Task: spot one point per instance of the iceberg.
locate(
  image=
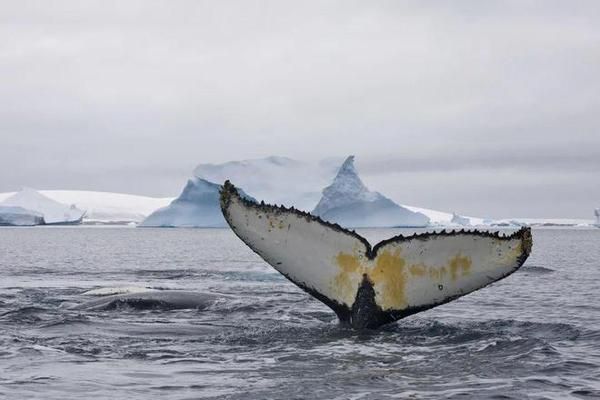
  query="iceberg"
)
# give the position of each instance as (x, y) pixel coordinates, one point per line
(53, 212)
(597, 214)
(19, 216)
(110, 208)
(348, 202)
(196, 207)
(106, 207)
(274, 179)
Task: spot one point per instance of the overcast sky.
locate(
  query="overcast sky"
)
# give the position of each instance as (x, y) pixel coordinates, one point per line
(485, 108)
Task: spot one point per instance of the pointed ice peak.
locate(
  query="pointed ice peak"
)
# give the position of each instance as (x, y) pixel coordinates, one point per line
(348, 182)
(348, 202)
(348, 166)
(346, 188)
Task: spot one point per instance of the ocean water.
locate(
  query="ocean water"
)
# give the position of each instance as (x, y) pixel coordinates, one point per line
(535, 334)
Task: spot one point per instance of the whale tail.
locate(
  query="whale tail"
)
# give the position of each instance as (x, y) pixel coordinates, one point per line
(371, 286)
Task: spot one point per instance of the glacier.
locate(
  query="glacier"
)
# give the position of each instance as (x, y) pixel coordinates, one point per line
(19, 216)
(52, 211)
(348, 202)
(196, 207)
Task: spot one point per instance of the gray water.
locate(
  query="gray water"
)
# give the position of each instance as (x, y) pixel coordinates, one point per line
(535, 334)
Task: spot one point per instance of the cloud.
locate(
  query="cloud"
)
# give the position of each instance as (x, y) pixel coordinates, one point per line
(113, 95)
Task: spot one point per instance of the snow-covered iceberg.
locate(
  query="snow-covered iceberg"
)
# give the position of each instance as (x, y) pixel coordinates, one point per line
(19, 216)
(196, 207)
(54, 213)
(348, 202)
(276, 180)
(106, 207)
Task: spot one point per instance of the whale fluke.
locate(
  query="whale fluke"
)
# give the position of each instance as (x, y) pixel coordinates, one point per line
(371, 286)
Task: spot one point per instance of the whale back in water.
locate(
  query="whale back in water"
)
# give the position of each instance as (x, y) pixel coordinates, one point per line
(151, 300)
(371, 286)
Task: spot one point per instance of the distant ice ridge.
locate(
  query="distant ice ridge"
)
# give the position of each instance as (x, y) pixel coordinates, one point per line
(19, 216)
(197, 206)
(52, 211)
(348, 202)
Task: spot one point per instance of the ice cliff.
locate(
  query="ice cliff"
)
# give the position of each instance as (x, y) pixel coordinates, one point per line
(196, 206)
(18, 216)
(52, 211)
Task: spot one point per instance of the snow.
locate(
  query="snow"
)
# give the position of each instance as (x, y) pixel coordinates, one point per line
(109, 207)
(460, 220)
(276, 180)
(106, 207)
(348, 202)
(19, 216)
(53, 211)
(197, 206)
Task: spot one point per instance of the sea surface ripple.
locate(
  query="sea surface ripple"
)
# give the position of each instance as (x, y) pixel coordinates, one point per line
(535, 334)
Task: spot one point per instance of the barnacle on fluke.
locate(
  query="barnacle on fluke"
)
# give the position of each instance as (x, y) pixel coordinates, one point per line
(369, 286)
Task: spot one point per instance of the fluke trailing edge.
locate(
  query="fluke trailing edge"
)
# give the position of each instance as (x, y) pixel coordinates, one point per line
(371, 286)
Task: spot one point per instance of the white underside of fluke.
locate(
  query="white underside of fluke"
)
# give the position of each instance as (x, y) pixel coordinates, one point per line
(405, 273)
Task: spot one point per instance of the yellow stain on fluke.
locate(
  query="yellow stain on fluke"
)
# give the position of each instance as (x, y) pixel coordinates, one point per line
(347, 280)
(390, 275)
(389, 280)
(460, 265)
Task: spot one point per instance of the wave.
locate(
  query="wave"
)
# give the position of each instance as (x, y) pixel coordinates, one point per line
(537, 269)
(26, 314)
